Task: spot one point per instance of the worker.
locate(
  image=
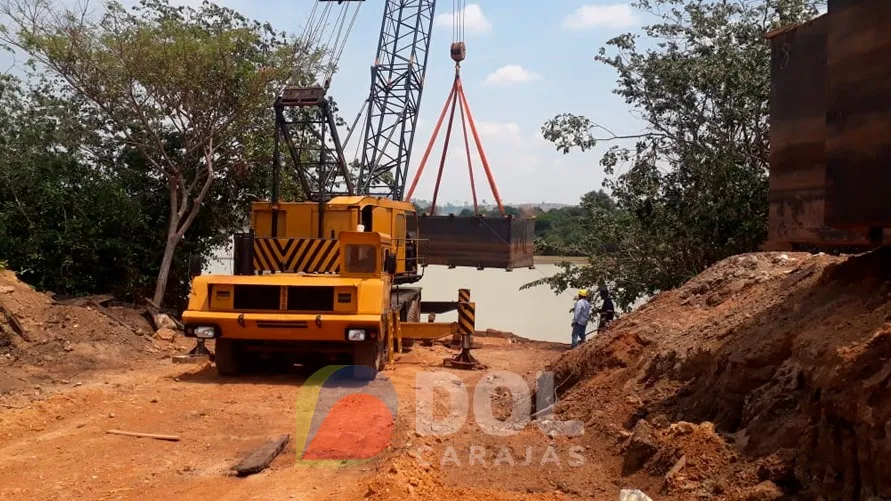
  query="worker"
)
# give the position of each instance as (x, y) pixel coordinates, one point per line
(607, 310)
(581, 312)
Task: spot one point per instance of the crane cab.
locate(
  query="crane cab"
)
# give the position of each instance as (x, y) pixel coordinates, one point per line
(300, 237)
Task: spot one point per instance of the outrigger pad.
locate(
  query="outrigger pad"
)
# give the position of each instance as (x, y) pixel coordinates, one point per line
(464, 360)
(477, 241)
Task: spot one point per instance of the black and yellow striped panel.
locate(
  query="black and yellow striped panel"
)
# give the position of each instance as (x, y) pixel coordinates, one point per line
(467, 319)
(463, 295)
(307, 255)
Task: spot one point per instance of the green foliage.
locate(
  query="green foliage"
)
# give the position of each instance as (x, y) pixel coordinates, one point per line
(63, 224)
(693, 189)
(560, 232)
(86, 194)
(178, 85)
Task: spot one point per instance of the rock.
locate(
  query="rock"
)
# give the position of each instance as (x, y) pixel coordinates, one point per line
(163, 321)
(6, 289)
(660, 422)
(682, 428)
(165, 334)
(765, 491)
(641, 447)
(633, 495)
(111, 414)
(714, 300)
(700, 288)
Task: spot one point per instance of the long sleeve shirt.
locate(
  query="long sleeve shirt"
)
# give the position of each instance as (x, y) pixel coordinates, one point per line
(582, 312)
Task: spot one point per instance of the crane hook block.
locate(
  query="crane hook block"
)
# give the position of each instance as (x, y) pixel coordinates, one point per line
(459, 51)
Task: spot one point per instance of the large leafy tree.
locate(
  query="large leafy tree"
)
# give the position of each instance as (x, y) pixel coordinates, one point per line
(175, 85)
(693, 188)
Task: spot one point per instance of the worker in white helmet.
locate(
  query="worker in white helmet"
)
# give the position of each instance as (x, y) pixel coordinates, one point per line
(581, 312)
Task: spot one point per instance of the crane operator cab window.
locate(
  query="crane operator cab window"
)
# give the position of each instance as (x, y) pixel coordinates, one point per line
(361, 258)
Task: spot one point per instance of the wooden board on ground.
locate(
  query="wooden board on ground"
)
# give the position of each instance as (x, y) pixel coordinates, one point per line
(14, 322)
(260, 457)
(169, 438)
(108, 313)
(85, 300)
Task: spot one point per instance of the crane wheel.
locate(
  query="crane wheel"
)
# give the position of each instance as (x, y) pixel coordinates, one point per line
(228, 357)
(368, 359)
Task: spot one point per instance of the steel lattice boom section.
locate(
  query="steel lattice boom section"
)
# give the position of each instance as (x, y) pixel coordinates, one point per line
(397, 81)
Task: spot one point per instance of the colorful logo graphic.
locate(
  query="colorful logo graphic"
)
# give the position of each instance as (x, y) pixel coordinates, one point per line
(345, 415)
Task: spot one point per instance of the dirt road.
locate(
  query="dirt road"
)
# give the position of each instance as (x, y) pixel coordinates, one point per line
(56, 447)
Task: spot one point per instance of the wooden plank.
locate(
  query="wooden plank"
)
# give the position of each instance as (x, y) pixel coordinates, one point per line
(14, 322)
(108, 313)
(260, 457)
(83, 301)
(169, 438)
(858, 145)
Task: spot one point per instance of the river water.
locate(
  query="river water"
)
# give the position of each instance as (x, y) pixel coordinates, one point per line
(535, 313)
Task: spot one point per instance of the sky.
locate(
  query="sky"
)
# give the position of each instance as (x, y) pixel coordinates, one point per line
(527, 61)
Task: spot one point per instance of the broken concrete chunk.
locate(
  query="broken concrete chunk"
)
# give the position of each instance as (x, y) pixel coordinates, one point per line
(641, 447)
(633, 495)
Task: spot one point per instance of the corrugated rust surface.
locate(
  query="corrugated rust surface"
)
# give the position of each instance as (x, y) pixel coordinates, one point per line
(799, 82)
(477, 241)
(859, 114)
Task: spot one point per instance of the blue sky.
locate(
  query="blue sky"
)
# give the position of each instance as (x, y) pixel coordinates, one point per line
(527, 61)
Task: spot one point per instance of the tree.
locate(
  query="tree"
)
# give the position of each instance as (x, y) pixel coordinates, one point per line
(63, 225)
(174, 84)
(694, 186)
(71, 224)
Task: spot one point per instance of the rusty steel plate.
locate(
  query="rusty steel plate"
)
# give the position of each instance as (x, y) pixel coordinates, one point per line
(476, 241)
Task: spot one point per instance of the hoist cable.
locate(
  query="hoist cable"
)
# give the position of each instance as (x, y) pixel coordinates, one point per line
(342, 38)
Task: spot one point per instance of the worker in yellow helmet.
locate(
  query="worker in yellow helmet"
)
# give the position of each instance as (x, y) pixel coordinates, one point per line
(581, 312)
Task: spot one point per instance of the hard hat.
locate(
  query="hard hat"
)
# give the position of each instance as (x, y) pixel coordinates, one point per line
(583, 292)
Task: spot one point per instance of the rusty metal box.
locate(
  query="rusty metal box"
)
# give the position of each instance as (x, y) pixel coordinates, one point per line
(477, 241)
(798, 135)
(858, 118)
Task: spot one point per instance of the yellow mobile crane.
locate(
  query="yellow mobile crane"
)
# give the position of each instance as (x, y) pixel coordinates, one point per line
(328, 276)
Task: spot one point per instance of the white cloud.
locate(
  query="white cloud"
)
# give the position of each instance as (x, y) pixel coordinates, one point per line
(510, 74)
(618, 15)
(500, 131)
(475, 21)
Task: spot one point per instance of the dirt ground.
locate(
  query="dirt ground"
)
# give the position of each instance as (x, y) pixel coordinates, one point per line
(764, 378)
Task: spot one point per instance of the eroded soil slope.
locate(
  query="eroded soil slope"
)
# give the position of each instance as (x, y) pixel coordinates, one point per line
(766, 375)
(46, 343)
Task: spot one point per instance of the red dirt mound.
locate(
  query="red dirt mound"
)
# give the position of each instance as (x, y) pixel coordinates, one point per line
(42, 342)
(786, 354)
